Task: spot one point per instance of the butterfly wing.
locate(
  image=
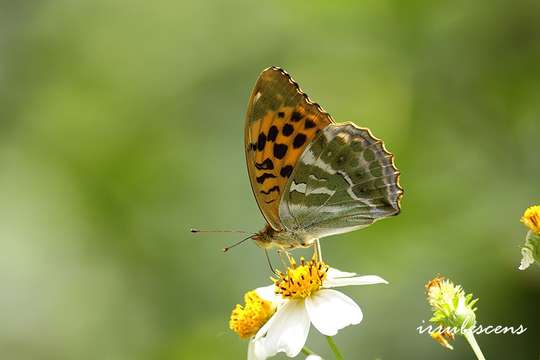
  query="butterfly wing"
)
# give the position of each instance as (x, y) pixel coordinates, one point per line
(344, 180)
(280, 122)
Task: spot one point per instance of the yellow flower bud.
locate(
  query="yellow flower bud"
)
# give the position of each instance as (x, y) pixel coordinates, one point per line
(531, 218)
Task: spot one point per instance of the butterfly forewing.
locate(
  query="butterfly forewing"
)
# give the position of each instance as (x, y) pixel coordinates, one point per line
(280, 122)
(344, 180)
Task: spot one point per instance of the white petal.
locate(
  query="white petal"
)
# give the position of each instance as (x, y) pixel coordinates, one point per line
(330, 311)
(268, 293)
(314, 357)
(256, 350)
(286, 331)
(336, 274)
(357, 280)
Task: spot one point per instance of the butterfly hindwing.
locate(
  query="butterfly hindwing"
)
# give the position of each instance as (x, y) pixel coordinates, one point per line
(344, 180)
(280, 122)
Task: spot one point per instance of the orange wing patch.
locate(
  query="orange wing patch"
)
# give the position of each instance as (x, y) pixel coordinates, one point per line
(281, 121)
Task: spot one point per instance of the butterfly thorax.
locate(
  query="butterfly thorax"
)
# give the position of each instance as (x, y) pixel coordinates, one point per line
(285, 239)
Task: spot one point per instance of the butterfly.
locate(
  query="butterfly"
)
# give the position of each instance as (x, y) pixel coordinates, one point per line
(311, 176)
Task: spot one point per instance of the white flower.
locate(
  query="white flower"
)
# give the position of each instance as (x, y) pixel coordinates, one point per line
(304, 296)
(256, 351)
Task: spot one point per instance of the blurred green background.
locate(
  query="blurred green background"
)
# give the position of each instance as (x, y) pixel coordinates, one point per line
(121, 126)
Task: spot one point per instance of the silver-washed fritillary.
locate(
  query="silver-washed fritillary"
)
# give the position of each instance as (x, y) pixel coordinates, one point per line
(312, 177)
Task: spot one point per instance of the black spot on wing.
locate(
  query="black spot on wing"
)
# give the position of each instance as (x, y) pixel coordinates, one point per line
(274, 188)
(272, 133)
(261, 142)
(267, 164)
(281, 114)
(280, 150)
(309, 124)
(260, 179)
(299, 140)
(287, 129)
(296, 116)
(286, 171)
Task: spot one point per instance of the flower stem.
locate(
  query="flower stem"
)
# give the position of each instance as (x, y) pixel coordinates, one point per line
(307, 351)
(334, 348)
(474, 345)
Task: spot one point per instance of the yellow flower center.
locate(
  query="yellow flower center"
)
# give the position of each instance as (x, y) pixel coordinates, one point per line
(531, 218)
(301, 281)
(248, 319)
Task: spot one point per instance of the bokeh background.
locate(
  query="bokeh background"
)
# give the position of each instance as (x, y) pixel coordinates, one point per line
(121, 127)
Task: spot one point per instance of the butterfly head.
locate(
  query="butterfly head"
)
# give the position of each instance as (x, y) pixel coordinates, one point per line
(265, 237)
(268, 237)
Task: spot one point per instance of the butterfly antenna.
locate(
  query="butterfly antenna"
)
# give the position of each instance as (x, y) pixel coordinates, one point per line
(196, 231)
(225, 249)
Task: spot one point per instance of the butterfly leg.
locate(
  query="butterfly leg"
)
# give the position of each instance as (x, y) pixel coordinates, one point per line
(269, 262)
(286, 259)
(317, 254)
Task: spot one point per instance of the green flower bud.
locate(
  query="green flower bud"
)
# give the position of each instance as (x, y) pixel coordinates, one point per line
(451, 306)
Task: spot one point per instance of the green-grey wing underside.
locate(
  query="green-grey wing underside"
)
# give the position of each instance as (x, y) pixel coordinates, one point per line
(344, 180)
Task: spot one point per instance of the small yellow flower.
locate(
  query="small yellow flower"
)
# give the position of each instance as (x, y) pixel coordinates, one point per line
(301, 281)
(248, 319)
(443, 338)
(531, 218)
